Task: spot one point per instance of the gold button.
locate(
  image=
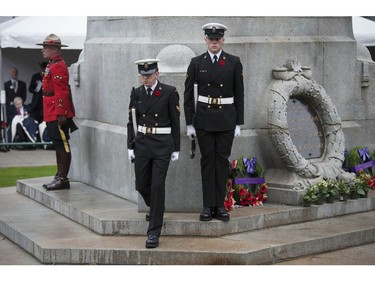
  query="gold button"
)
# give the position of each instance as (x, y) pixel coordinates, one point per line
(144, 115)
(220, 106)
(209, 106)
(156, 115)
(156, 124)
(221, 85)
(208, 85)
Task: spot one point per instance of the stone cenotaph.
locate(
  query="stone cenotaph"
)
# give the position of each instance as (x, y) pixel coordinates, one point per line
(309, 94)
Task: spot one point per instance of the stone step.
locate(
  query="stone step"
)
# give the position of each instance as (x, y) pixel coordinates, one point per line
(107, 214)
(55, 239)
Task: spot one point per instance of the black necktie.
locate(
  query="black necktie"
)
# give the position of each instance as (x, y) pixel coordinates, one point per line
(149, 90)
(215, 59)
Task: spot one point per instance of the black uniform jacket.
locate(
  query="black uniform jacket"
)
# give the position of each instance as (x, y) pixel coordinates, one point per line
(161, 110)
(11, 94)
(36, 106)
(223, 80)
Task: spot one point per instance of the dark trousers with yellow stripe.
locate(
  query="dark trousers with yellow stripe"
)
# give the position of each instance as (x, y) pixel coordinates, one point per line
(59, 136)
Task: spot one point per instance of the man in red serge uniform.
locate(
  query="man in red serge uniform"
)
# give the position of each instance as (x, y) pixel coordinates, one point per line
(58, 109)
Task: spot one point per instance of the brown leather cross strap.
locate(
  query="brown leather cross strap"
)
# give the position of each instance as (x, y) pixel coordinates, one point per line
(48, 94)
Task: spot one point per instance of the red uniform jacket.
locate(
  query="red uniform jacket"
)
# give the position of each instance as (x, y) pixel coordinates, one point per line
(55, 86)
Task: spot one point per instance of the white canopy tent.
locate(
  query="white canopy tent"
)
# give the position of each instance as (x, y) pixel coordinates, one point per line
(364, 31)
(19, 36)
(25, 32)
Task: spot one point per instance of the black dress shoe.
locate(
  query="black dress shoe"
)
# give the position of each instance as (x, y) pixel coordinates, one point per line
(152, 241)
(206, 214)
(221, 214)
(148, 217)
(60, 183)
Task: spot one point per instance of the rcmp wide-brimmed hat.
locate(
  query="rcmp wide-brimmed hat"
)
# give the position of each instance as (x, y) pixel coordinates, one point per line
(52, 40)
(147, 66)
(214, 30)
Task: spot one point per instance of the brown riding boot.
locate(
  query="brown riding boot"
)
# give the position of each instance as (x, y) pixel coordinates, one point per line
(57, 173)
(53, 181)
(62, 182)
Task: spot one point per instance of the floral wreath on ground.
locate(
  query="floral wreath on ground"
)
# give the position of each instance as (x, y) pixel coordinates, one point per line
(359, 160)
(241, 194)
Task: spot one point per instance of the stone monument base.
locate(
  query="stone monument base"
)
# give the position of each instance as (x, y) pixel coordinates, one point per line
(281, 187)
(284, 196)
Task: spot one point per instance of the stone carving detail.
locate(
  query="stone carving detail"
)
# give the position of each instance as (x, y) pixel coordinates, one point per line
(294, 81)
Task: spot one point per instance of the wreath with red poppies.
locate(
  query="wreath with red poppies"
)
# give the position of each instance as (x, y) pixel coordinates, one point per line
(240, 195)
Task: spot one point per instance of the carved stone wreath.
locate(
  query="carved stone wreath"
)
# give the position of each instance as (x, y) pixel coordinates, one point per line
(294, 81)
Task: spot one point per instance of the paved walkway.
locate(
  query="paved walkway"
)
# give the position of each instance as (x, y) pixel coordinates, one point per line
(21, 158)
(10, 253)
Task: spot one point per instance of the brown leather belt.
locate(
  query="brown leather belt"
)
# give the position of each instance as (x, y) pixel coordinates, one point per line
(48, 94)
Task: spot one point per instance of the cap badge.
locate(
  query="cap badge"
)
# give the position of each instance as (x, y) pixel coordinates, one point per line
(213, 29)
(146, 65)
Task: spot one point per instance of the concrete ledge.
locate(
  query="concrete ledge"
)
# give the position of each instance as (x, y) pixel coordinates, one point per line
(55, 239)
(107, 214)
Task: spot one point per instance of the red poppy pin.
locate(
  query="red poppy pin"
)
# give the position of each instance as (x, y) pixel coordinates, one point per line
(157, 93)
(222, 62)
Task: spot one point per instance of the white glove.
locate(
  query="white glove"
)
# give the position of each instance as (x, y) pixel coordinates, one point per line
(131, 155)
(237, 131)
(174, 155)
(190, 131)
(38, 86)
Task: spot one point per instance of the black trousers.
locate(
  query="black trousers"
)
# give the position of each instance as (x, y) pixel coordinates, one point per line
(150, 176)
(215, 148)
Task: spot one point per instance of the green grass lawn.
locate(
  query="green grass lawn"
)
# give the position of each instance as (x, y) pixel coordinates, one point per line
(9, 175)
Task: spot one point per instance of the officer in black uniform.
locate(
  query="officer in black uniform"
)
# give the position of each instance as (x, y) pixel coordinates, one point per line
(154, 141)
(218, 114)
